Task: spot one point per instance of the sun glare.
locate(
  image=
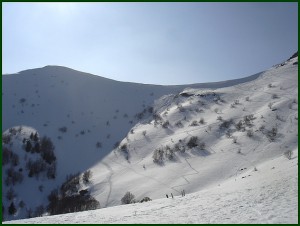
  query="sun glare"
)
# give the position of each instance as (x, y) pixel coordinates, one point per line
(61, 7)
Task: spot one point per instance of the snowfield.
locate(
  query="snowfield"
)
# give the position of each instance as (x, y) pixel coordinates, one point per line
(268, 195)
(231, 146)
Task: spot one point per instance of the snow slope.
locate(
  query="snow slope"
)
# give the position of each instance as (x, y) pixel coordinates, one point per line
(98, 110)
(268, 195)
(220, 160)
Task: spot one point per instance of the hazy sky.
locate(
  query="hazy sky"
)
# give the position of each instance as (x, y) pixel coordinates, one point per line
(157, 43)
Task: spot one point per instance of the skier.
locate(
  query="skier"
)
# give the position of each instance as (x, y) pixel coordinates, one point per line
(172, 195)
(182, 193)
(167, 195)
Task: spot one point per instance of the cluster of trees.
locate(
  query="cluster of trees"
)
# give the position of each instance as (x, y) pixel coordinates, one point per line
(143, 113)
(12, 208)
(179, 124)
(86, 177)
(8, 156)
(39, 166)
(271, 134)
(47, 150)
(241, 125)
(247, 121)
(195, 122)
(158, 156)
(69, 198)
(13, 177)
(245, 125)
(63, 129)
(129, 198)
(157, 118)
(195, 142)
(225, 124)
(165, 124)
(32, 144)
(145, 199)
(47, 160)
(71, 185)
(166, 152)
(6, 138)
(74, 203)
(44, 162)
(124, 150)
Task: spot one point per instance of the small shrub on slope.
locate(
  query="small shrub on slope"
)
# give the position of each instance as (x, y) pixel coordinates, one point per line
(87, 176)
(128, 198)
(193, 142)
(288, 154)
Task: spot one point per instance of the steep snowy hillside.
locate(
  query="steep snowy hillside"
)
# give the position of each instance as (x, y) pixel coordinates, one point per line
(268, 195)
(200, 138)
(147, 139)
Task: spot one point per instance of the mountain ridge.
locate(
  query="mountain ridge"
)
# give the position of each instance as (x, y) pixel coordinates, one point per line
(64, 69)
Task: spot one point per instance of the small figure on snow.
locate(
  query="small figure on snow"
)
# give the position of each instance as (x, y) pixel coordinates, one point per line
(183, 193)
(172, 195)
(167, 195)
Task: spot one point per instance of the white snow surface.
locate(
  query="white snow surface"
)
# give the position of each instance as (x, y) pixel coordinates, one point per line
(216, 179)
(268, 195)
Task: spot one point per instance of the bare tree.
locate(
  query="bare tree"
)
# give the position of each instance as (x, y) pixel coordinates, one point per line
(128, 198)
(201, 121)
(194, 123)
(250, 133)
(166, 124)
(193, 142)
(87, 176)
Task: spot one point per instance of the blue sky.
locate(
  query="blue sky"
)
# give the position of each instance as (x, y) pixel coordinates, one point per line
(156, 43)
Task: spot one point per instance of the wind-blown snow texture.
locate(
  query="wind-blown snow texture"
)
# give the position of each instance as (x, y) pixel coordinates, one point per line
(215, 177)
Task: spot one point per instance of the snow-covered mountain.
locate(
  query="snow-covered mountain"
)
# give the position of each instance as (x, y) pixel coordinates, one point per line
(152, 140)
